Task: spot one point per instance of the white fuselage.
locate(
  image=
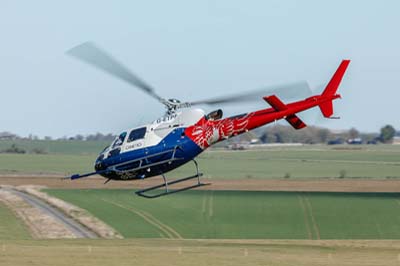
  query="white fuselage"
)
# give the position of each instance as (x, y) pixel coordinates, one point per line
(152, 134)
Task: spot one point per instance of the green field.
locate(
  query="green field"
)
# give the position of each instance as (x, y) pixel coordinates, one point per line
(10, 226)
(45, 163)
(233, 225)
(332, 215)
(244, 214)
(129, 252)
(313, 161)
(57, 146)
(303, 162)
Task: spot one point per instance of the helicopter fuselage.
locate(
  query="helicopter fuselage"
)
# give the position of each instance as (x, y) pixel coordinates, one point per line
(150, 145)
(172, 141)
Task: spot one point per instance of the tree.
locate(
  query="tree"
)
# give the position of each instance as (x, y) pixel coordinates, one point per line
(14, 149)
(387, 133)
(79, 137)
(353, 133)
(323, 135)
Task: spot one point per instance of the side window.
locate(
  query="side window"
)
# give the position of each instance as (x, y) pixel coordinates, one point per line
(114, 152)
(119, 140)
(215, 115)
(137, 134)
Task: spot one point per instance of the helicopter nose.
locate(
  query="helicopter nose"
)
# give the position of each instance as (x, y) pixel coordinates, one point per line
(98, 166)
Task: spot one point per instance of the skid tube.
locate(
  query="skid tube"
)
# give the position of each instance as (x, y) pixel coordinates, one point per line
(166, 184)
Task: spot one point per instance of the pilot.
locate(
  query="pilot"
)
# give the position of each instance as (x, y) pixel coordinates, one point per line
(120, 139)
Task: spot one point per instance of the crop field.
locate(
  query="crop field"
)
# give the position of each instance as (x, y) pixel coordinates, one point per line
(58, 164)
(141, 218)
(56, 146)
(220, 227)
(314, 161)
(302, 162)
(199, 252)
(244, 214)
(10, 226)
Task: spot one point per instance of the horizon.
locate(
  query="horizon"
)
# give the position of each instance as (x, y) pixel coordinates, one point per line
(67, 137)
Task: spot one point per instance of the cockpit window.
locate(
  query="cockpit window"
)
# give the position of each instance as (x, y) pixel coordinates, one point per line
(137, 134)
(119, 140)
(215, 115)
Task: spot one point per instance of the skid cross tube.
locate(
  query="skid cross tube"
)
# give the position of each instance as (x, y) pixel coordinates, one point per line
(167, 184)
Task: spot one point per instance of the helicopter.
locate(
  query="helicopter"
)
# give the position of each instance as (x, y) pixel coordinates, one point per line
(184, 132)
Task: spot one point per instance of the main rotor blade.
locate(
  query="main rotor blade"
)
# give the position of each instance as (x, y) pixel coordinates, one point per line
(91, 54)
(285, 92)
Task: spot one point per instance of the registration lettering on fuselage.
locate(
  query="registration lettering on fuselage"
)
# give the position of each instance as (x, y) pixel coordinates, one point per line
(165, 119)
(134, 146)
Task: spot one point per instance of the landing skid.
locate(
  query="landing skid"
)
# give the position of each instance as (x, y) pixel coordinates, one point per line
(166, 185)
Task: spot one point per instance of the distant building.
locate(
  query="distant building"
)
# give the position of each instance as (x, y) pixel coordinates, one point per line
(396, 140)
(7, 136)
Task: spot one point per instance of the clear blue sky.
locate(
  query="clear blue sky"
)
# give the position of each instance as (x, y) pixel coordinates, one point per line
(191, 50)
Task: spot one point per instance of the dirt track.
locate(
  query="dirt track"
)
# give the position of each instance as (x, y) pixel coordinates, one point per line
(71, 225)
(333, 185)
(40, 220)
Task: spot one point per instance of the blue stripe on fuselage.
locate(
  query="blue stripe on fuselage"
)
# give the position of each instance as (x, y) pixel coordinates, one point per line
(188, 150)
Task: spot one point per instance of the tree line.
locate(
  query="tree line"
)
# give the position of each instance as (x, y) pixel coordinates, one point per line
(268, 134)
(313, 134)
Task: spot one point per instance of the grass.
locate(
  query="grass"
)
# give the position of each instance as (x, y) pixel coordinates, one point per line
(315, 161)
(244, 211)
(57, 146)
(10, 226)
(193, 252)
(221, 214)
(244, 214)
(45, 163)
(303, 162)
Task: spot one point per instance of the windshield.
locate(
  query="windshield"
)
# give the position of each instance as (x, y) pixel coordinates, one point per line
(119, 140)
(104, 149)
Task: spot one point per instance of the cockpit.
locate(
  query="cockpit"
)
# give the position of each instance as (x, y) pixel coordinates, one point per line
(134, 135)
(119, 140)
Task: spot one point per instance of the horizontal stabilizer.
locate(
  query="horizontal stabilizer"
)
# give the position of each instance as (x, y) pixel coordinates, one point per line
(295, 121)
(278, 105)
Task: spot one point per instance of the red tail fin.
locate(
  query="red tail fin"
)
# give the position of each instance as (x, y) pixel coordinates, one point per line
(333, 84)
(331, 88)
(326, 109)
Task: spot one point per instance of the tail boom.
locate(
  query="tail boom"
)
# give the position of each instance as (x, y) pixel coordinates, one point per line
(207, 132)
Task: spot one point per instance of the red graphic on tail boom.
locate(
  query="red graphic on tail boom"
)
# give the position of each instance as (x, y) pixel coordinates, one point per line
(207, 131)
